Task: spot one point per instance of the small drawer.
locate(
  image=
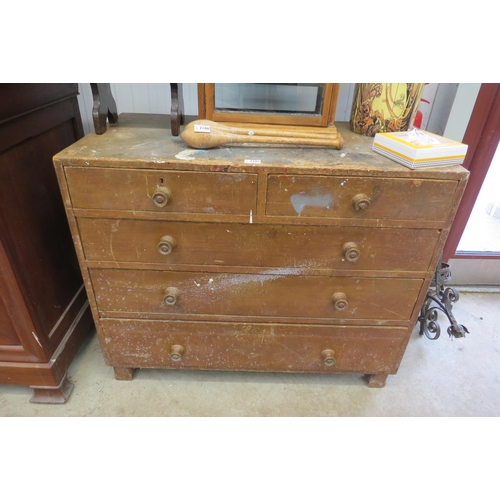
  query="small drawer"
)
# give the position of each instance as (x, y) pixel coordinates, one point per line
(252, 347)
(162, 191)
(255, 245)
(172, 293)
(359, 197)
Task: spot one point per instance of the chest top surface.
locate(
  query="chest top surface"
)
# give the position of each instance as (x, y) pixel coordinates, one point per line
(145, 141)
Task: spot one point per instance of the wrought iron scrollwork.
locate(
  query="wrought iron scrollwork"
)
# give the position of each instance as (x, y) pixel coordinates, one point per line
(440, 299)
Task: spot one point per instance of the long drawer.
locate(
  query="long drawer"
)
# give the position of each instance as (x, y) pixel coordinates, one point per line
(265, 294)
(252, 347)
(162, 191)
(359, 197)
(257, 245)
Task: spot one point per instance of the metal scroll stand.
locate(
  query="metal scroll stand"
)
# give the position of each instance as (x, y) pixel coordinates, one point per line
(441, 299)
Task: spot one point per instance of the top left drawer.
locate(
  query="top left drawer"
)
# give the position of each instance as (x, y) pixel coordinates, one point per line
(162, 191)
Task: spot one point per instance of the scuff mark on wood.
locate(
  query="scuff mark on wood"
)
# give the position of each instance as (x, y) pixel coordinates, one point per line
(300, 201)
(36, 338)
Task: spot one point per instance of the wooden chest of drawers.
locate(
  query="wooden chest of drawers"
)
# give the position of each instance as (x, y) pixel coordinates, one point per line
(256, 259)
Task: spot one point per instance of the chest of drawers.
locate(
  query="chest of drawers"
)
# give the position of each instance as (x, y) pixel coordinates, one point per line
(252, 259)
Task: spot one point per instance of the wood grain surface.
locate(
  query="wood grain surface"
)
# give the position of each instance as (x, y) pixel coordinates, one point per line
(261, 258)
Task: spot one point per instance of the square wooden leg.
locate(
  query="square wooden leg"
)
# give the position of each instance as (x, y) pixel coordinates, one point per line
(376, 380)
(124, 373)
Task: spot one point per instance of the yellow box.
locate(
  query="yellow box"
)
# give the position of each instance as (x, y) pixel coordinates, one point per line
(419, 149)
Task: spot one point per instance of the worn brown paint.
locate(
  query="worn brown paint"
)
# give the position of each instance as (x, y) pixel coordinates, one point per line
(299, 260)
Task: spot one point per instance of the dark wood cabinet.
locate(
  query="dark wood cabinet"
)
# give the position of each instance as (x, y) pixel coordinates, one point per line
(44, 313)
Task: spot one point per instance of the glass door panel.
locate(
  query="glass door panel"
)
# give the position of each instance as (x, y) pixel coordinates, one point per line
(482, 232)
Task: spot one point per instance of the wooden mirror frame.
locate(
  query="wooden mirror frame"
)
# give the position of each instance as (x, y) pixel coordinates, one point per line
(206, 93)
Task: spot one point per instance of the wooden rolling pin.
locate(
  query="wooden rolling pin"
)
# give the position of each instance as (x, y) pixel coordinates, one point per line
(206, 134)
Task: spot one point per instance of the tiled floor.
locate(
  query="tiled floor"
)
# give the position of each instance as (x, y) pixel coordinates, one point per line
(436, 378)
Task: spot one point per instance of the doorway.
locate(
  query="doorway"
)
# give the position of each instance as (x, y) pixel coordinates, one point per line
(473, 246)
(482, 233)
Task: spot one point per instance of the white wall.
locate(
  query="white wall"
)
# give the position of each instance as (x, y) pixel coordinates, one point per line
(155, 98)
(461, 110)
(138, 98)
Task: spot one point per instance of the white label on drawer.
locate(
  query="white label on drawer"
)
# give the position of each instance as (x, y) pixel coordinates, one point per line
(202, 128)
(253, 162)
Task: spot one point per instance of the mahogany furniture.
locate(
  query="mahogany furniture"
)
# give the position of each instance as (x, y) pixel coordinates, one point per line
(252, 258)
(44, 313)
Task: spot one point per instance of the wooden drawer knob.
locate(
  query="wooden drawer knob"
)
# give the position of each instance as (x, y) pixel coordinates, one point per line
(340, 301)
(171, 295)
(361, 202)
(166, 245)
(161, 196)
(176, 352)
(350, 251)
(328, 358)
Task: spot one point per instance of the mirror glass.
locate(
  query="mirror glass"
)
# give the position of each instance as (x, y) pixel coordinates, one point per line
(283, 98)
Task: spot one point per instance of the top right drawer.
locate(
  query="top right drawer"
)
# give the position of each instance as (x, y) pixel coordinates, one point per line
(359, 197)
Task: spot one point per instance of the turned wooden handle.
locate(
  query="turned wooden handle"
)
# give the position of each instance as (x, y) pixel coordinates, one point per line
(176, 352)
(216, 135)
(166, 245)
(350, 251)
(171, 296)
(361, 202)
(340, 301)
(161, 196)
(328, 357)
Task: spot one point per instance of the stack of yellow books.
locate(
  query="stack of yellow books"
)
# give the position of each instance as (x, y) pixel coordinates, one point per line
(419, 149)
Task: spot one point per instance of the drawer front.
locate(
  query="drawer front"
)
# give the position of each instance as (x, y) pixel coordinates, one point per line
(268, 295)
(252, 347)
(359, 197)
(256, 245)
(145, 190)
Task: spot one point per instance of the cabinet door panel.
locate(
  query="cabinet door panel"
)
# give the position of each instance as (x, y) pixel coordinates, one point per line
(7, 330)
